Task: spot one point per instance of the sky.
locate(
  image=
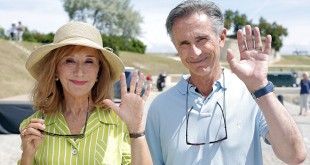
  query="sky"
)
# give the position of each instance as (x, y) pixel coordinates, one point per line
(48, 15)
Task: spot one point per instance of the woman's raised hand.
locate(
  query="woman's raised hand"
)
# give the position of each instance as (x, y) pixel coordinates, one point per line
(131, 108)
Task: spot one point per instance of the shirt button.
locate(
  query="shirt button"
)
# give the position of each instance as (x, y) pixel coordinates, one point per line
(74, 151)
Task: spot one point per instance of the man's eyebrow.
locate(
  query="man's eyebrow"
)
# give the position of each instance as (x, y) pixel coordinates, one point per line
(196, 38)
(183, 42)
(202, 37)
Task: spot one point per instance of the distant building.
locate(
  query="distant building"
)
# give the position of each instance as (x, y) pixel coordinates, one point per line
(300, 52)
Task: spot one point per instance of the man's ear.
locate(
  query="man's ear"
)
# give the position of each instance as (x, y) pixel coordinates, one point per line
(223, 37)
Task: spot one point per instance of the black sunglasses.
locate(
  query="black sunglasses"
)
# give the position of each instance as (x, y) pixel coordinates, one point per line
(223, 116)
(74, 136)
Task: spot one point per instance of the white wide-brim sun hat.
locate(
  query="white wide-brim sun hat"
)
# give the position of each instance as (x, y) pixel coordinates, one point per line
(75, 33)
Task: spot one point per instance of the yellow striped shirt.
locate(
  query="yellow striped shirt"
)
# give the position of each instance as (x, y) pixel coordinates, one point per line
(106, 141)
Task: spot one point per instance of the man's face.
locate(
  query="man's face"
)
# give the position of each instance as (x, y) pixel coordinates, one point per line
(197, 44)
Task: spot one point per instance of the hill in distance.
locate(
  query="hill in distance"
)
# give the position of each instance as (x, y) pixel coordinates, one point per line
(15, 80)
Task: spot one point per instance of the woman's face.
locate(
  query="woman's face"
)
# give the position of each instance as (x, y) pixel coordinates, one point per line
(78, 71)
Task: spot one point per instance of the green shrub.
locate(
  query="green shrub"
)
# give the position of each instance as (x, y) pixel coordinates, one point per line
(2, 34)
(117, 43)
(34, 36)
(121, 43)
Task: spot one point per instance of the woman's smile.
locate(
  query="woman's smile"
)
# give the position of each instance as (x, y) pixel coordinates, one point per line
(78, 82)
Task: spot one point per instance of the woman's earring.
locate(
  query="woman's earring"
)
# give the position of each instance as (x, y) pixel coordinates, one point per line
(57, 79)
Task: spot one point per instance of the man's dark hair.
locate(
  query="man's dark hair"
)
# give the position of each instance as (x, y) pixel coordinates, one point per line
(190, 7)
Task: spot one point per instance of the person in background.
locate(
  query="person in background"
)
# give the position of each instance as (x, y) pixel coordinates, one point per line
(304, 93)
(77, 122)
(12, 32)
(214, 115)
(20, 31)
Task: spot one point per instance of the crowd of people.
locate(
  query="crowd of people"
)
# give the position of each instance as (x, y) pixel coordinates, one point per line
(16, 31)
(211, 116)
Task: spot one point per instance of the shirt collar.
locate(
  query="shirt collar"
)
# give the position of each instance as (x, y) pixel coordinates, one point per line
(182, 84)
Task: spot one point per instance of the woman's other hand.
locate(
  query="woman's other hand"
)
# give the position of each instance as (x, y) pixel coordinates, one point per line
(31, 137)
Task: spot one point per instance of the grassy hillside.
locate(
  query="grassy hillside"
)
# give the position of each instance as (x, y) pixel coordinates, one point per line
(15, 80)
(152, 64)
(292, 62)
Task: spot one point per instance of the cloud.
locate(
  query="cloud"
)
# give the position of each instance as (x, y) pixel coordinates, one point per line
(283, 12)
(43, 16)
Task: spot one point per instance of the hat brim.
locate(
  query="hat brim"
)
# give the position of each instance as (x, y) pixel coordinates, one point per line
(115, 64)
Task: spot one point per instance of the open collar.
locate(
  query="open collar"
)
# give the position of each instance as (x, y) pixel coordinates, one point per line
(98, 117)
(182, 84)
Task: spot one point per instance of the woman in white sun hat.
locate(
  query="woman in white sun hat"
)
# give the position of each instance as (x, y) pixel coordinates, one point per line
(77, 122)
